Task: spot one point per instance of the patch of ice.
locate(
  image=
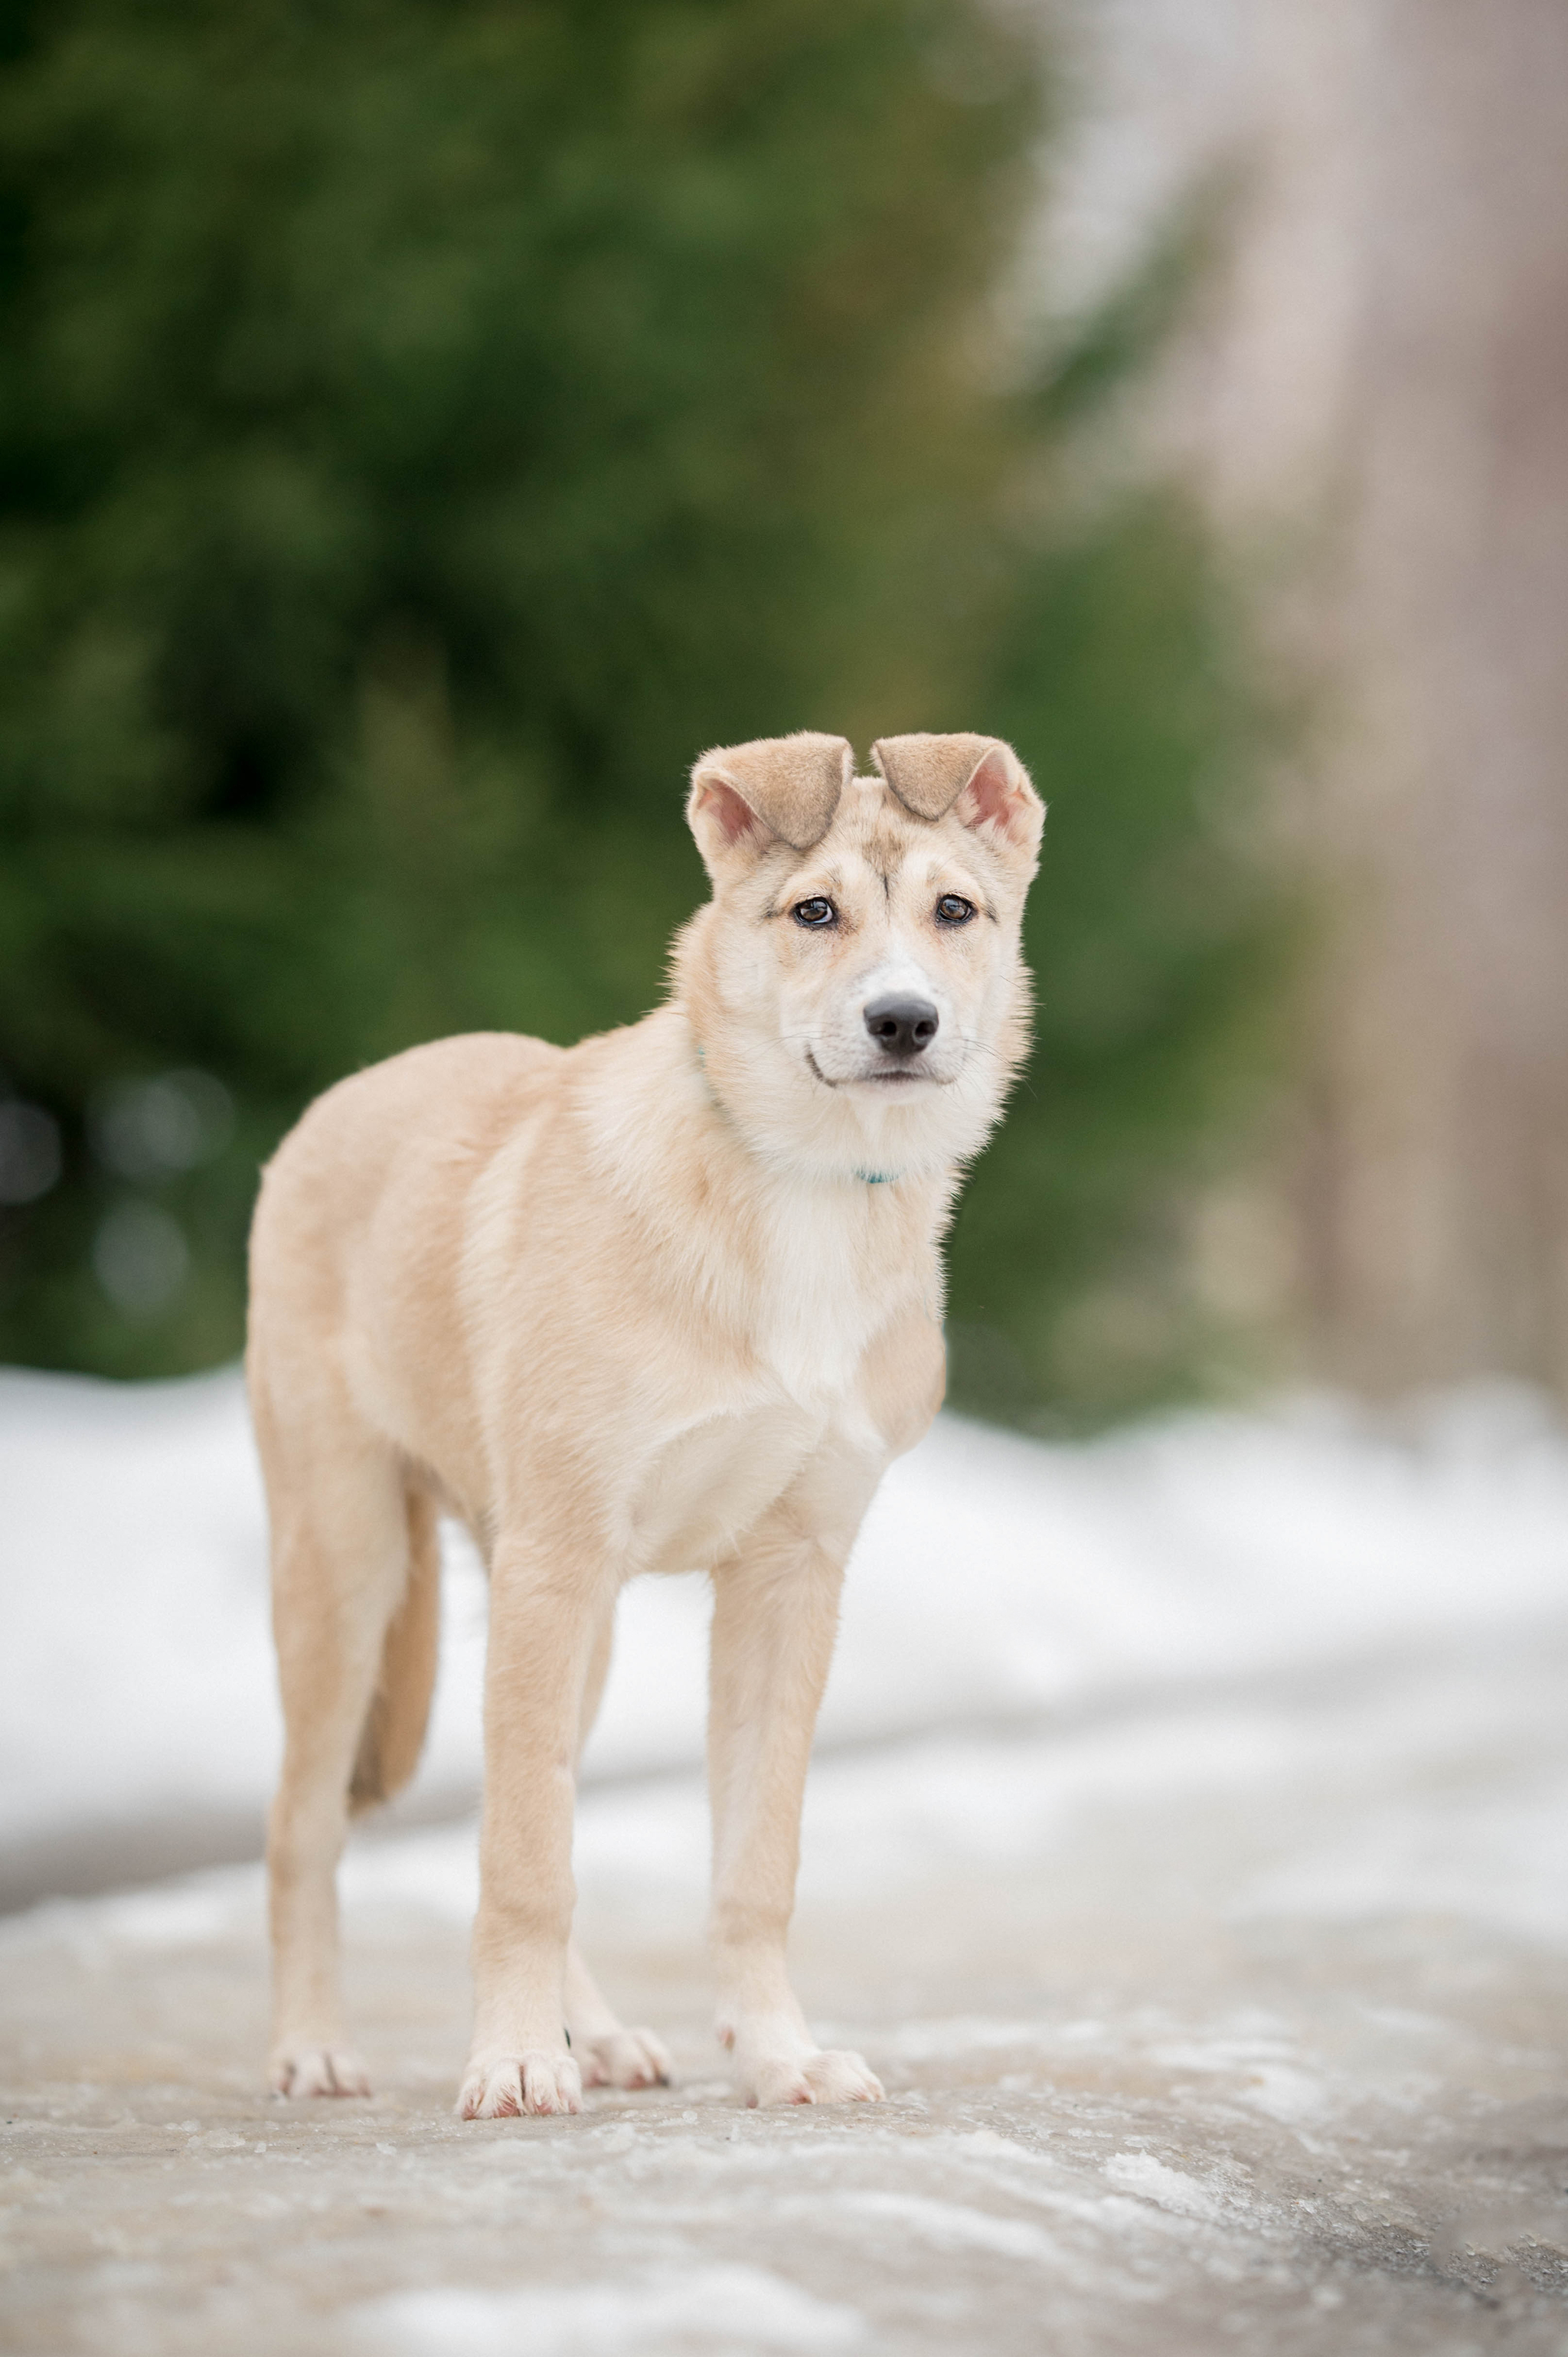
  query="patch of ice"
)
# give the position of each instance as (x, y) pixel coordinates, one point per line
(991, 2146)
(1270, 2076)
(953, 2227)
(1287, 2094)
(736, 2308)
(1169, 2189)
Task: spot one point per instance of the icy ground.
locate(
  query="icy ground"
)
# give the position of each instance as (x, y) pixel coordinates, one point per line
(1187, 1850)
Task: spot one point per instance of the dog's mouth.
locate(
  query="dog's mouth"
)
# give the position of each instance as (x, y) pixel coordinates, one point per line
(900, 1076)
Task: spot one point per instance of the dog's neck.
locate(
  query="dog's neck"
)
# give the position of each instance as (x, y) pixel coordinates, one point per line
(799, 1258)
(668, 1120)
(863, 1177)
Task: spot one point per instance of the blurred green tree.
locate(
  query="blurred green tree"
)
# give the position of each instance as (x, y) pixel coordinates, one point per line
(424, 425)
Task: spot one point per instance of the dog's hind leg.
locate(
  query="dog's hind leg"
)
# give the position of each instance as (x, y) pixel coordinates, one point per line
(341, 1564)
(608, 2053)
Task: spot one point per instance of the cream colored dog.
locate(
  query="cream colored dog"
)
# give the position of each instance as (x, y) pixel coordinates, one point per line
(670, 1299)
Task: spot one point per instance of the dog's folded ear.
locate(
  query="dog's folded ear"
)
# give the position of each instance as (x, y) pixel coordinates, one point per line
(744, 797)
(979, 779)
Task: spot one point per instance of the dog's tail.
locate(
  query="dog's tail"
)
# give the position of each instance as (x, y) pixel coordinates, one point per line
(399, 1707)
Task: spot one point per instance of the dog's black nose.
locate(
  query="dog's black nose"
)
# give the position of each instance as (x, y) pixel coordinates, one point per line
(902, 1026)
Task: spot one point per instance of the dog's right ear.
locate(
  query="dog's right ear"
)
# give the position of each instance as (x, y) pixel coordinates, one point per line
(744, 797)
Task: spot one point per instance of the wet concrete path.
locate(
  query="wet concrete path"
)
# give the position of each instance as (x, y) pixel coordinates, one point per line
(1236, 2024)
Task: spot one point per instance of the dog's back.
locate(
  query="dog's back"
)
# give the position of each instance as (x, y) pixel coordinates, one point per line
(423, 1113)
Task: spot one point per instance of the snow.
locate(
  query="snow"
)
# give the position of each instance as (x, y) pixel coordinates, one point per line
(1186, 1851)
(996, 1578)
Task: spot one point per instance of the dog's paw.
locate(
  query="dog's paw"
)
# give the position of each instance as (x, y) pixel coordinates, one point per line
(624, 2058)
(306, 2069)
(512, 2086)
(819, 2077)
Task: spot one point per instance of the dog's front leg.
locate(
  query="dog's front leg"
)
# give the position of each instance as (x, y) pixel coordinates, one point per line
(775, 1618)
(543, 1618)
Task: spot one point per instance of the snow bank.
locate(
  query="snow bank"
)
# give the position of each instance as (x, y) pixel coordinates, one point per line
(995, 1576)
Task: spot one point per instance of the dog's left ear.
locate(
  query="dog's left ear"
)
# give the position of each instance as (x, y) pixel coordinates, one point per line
(979, 779)
(745, 797)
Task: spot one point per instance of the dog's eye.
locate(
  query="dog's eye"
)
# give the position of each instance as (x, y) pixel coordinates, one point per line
(814, 914)
(952, 909)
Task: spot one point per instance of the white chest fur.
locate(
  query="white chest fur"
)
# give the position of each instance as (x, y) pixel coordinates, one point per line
(775, 1285)
(814, 1304)
(824, 1293)
(702, 1489)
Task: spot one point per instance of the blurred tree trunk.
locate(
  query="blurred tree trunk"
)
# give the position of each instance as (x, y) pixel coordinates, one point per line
(1389, 356)
(1434, 1184)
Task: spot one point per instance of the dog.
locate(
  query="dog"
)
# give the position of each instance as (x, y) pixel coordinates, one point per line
(670, 1299)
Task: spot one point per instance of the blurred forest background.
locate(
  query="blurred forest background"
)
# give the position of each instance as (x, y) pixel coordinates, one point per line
(424, 427)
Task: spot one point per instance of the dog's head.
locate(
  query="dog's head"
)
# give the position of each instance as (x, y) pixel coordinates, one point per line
(855, 983)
